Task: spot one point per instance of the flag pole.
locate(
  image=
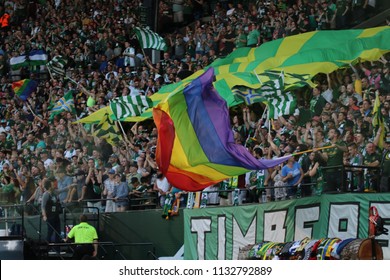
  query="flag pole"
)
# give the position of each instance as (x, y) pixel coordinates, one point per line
(70, 79)
(257, 76)
(269, 122)
(51, 75)
(312, 150)
(28, 106)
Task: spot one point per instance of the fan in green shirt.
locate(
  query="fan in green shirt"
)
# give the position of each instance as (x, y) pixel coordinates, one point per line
(334, 157)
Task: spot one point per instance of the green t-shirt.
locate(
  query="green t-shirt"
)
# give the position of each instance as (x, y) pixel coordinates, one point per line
(241, 41)
(335, 155)
(83, 233)
(386, 163)
(253, 37)
(370, 158)
(91, 102)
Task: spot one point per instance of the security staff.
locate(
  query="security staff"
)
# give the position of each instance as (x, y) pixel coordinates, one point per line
(86, 236)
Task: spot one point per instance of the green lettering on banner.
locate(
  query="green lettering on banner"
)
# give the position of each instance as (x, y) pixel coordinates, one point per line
(219, 232)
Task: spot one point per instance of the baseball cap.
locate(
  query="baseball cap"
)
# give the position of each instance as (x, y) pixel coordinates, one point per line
(112, 171)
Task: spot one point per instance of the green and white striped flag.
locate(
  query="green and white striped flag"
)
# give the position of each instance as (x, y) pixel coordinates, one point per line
(280, 105)
(130, 106)
(57, 65)
(270, 93)
(150, 40)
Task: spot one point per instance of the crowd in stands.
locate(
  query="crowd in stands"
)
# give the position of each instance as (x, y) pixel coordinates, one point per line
(105, 61)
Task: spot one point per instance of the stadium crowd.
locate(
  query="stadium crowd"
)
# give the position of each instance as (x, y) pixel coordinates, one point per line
(105, 61)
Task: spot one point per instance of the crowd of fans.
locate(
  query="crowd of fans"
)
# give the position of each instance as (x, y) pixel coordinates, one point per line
(105, 61)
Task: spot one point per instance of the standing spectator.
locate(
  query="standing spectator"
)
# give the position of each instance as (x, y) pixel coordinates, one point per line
(334, 157)
(51, 209)
(129, 54)
(241, 39)
(91, 191)
(342, 9)
(228, 40)
(121, 193)
(292, 174)
(161, 186)
(354, 177)
(36, 197)
(371, 176)
(315, 174)
(109, 191)
(253, 37)
(317, 103)
(64, 182)
(385, 167)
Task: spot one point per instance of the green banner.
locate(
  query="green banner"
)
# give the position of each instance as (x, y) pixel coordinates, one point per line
(219, 232)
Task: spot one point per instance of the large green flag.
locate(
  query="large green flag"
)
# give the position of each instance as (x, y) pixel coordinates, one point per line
(304, 54)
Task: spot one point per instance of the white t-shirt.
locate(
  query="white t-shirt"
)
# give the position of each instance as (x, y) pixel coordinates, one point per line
(47, 163)
(163, 184)
(129, 61)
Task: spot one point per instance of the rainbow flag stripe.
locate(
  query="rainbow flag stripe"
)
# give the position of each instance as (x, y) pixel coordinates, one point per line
(24, 88)
(196, 146)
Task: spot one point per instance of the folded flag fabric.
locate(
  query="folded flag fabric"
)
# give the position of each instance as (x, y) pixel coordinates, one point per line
(150, 40)
(107, 129)
(24, 88)
(37, 58)
(18, 62)
(270, 93)
(57, 65)
(34, 58)
(196, 146)
(66, 103)
(280, 105)
(129, 106)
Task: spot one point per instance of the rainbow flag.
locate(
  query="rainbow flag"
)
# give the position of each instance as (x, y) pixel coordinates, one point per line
(24, 88)
(196, 146)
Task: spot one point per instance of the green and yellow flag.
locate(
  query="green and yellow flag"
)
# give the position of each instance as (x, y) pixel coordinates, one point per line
(107, 129)
(305, 54)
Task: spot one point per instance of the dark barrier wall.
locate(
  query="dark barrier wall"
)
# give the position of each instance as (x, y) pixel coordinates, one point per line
(137, 234)
(133, 235)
